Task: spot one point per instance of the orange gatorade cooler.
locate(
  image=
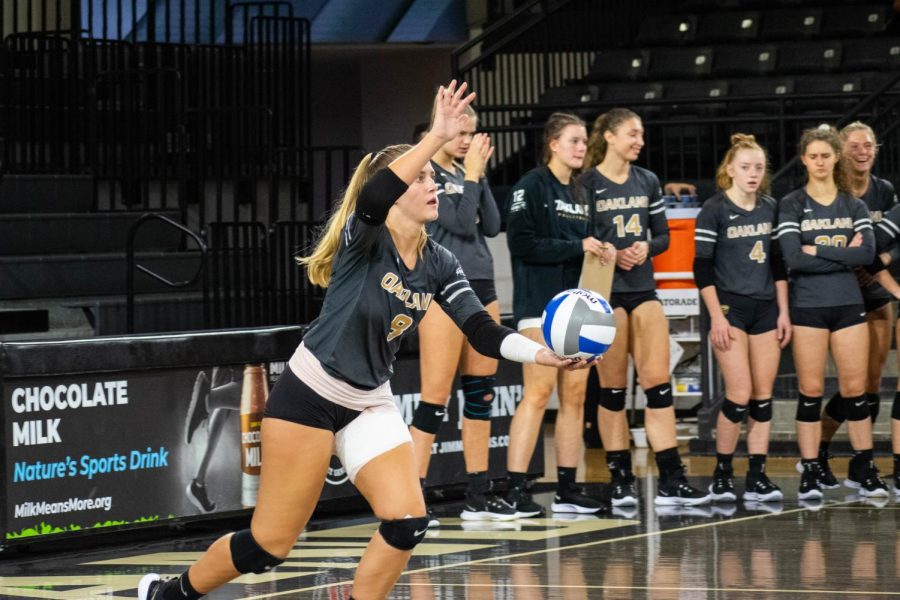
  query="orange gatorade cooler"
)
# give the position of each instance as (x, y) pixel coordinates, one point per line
(674, 268)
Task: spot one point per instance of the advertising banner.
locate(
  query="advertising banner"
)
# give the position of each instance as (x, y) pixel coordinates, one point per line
(90, 451)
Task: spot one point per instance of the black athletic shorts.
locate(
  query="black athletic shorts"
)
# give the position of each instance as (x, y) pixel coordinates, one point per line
(294, 401)
(831, 318)
(484, 289)
(751, 315)
(631, 300)
(873, 304)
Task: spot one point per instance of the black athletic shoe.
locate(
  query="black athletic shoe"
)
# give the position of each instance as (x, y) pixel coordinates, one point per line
(897, 483)
(149, 586)
(722, 487)
(826, 478)
(574, 500)
(196, 493)
(809, 484)
(623, 492)
(484, 507)
(525, 505)
(674, 490)
(433, 521)
(871, 485)
(759, 488)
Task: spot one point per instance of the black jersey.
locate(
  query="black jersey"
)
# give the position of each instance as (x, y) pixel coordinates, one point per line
(827, 279)
(374, 299)
(739, 243)
(626, 213)
(887, 231)
(880, 198)
(545, 228)
(467, 213)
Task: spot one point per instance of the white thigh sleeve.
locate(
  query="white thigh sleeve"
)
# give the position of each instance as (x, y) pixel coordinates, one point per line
(374, 432)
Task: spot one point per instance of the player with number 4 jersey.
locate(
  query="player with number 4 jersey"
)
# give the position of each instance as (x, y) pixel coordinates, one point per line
(741, 277)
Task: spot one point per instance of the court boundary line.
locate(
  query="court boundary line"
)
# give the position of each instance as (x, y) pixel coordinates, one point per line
(561, 548)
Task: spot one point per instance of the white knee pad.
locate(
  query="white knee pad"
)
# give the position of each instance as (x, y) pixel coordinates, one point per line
(374, 432)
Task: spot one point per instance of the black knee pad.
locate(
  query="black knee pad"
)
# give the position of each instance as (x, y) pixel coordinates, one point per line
(248, 556)
(478, 392)
(733, 411)
(857, 408)
(895, 407)
(659, 396)
(809, 409)
(761, 410)
(404, 534)
(428, 417)
(612, 399)
(836, 408)
(874, 401)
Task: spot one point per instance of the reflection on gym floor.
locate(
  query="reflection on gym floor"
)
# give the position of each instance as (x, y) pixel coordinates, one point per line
(844, 547)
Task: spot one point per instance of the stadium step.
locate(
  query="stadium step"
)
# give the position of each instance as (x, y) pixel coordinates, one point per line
(63, 275)
(46, 194)
(67, 233)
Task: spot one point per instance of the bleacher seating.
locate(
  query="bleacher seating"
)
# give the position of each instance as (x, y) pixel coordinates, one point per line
(663, 29)
(744, 60)
(728, 27)
(618, 65)
(809, 57)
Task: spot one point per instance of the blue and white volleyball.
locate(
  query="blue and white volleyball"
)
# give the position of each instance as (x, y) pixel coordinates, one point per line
(578, 324)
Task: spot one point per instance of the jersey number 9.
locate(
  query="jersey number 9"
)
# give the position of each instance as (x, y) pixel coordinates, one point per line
(399, 324)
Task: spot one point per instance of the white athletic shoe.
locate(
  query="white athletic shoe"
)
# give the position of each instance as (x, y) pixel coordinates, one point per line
(148, 586)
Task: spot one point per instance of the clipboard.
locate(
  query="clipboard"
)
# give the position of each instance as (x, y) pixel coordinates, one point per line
(596, 277)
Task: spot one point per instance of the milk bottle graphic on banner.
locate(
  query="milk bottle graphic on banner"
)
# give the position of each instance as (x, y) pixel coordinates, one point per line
(253, 404)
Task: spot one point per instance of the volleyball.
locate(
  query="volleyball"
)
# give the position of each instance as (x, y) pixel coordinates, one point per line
(578, 324)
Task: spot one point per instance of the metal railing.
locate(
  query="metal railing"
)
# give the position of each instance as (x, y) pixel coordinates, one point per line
(201, 275)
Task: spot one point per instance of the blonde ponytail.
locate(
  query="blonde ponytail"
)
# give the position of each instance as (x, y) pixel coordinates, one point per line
(320, 263)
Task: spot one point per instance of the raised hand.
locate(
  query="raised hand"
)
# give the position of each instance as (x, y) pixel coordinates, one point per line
(480, 152)
(450, 103)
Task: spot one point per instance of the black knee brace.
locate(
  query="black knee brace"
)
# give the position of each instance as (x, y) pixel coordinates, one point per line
(733, 411)
(809, 409)
(248, 556)
(428, 417)
(404, 534)
(478, 392)
(857, 408)
(874, 401)
(659, 396)
(761, 410)
(895, 407)
(612, 399)
(836, 408)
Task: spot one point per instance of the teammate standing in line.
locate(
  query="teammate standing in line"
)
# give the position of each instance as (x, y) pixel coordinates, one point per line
(860, 149)
(824, 233)
(467, 214)
(887, 234)
(629, 212)
(548, 233)
(741, 277)
(382, 272)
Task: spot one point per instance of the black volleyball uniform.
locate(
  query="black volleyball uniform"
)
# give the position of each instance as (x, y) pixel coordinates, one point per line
(734, 252)
(467, 214)
(545, 228)
(633, 211)
(879, 198)
(824, 290)
(373, 300)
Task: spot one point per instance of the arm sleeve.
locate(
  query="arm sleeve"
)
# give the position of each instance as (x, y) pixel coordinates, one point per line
(887, 232)
(378, 196)
(857, 256)
(704, 272)
(659, 225)
(706, 234)
(490, 214)
(788, 235)
(459, 217)
(521, 235)
(776, 262)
